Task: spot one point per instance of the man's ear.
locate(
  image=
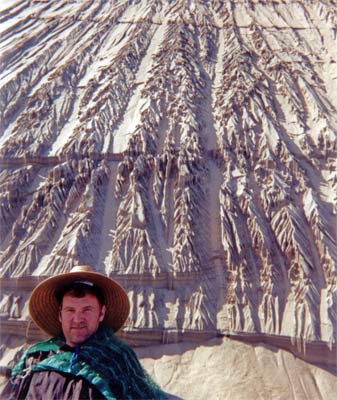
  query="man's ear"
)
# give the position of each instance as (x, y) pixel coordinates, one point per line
(60, 316)
(102, 313)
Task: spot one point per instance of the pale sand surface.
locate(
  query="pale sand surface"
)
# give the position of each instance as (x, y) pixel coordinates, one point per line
(227, 369)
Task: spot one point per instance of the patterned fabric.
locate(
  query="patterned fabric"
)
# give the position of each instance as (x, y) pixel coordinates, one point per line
(103, 360)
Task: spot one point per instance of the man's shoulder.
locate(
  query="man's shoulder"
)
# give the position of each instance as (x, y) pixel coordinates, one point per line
(52, 344)
(36, 350)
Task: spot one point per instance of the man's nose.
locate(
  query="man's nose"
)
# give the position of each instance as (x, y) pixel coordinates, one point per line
(78, 316)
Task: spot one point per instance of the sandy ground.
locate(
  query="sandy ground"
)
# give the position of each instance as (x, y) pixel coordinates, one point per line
(227, 369)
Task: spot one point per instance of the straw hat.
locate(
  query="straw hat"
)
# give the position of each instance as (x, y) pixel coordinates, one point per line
(43, 307)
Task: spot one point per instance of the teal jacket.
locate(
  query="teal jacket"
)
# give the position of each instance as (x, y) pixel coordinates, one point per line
(104, 361)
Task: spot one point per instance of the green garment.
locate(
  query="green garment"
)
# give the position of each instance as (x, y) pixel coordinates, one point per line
(103, 360)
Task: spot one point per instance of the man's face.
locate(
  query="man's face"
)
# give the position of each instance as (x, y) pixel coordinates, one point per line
(80, 317)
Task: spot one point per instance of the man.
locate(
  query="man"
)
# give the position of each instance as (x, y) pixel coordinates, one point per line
(84, 359)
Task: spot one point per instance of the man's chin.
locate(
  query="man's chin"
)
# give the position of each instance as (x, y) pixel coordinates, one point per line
(77, 338)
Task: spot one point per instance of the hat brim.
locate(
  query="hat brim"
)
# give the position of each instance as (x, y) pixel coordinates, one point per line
(44, 310)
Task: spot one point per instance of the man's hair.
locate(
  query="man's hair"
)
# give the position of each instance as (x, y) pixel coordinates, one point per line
(79, 289)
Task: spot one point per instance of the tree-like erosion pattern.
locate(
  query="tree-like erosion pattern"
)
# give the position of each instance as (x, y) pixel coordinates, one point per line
(185, 148)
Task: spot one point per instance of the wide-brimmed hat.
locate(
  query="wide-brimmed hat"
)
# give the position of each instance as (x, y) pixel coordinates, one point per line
(44, 309)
